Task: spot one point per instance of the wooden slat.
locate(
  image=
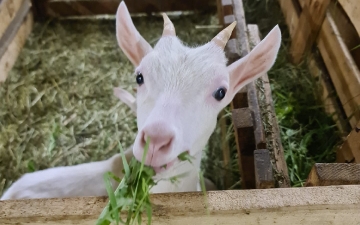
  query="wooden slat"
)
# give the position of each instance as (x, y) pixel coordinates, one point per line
(351, 146)
(263, 169)
(14, 39)
(245, 142)
(275, 140)
(352, 8)
(297, 206)
(90, 7)
(307, 28)
(341, 66)
(8, 10)
(330, 174)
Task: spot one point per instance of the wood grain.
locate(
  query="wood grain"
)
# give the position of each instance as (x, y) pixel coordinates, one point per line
(14, 39)
(351, 146)
(307, 28)
(8, 10)
(352, 8)
(263, 169)
(312, 205)
(326, 174)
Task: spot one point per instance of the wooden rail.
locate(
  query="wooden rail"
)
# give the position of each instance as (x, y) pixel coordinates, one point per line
(282, 206)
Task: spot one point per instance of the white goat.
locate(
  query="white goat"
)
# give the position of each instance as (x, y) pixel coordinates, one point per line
(180, 92)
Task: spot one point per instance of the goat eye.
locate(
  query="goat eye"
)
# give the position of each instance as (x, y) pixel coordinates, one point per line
(219, 94)
(139, 79)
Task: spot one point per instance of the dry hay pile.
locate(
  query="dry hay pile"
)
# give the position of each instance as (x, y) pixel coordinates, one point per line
(57, 105)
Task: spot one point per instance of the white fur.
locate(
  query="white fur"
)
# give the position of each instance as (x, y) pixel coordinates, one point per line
(175, 105)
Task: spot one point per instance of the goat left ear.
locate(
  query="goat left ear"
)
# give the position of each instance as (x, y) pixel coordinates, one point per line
(256, 63)
(126, 97)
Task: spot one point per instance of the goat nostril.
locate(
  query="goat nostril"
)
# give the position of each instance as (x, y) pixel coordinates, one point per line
(143, 139)
(166, 146)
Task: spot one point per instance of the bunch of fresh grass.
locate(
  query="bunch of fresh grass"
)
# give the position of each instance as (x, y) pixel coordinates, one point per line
(133, 192)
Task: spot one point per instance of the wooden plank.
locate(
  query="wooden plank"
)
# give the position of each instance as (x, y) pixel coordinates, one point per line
(307, 28)
(296, 206)
(8, 10)
(326, 174)
(245, 142)
(90, 7)
(274, 139)
(341, 66)
(352, 8)
(14, 39)
(351, 146)
(263, 169)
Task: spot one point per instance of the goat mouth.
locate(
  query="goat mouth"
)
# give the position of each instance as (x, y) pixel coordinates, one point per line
(170, 164)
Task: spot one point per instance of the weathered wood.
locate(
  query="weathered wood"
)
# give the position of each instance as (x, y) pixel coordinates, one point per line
(14, 39)
(263, 169)
(297, 206)
(279, 163)
(90, 7)
(351, 146)
(245, 142)
(329, 174)
(8, 10)
(352, 9)
(307, 28)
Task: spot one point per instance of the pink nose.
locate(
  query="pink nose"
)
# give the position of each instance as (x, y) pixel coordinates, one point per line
(161, 137)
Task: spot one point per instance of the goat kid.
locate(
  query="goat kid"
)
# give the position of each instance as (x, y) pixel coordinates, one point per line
(181, 90)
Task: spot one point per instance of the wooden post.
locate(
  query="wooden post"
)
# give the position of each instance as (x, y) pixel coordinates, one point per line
(350, 149)
(329, 174)
(263, 169)
(307, 29)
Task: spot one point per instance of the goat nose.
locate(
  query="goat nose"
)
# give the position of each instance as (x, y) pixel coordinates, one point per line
(161, 137)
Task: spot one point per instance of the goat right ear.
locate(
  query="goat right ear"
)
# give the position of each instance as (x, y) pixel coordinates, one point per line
(129, 39)
(126, 97)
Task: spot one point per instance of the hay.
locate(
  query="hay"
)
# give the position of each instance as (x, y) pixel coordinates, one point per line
(57, 106)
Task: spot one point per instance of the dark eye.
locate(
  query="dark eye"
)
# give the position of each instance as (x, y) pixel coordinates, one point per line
(219, 94)
(139, 78)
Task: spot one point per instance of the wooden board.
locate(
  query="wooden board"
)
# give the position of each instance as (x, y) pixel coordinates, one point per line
(90, 7)
(8, 10)
(343, 71)
(307, 28)
(313, 205)
(263, 169)
(326, 174)
(352, 8)
(279, 164)
(350, 149)
(14, 39)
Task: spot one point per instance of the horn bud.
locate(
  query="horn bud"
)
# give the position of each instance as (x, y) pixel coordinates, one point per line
(223, 37)
(169, 29)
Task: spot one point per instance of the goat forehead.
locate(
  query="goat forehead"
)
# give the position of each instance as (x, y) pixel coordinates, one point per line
(173, 63)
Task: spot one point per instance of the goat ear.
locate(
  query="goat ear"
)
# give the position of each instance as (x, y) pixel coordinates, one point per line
(256, 63)
(126, 97)
(129, 39)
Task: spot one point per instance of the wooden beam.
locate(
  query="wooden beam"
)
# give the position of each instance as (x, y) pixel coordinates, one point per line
(8, 10)
(352, 8)
(277, 150)
(297, 206)
(327, 174)
(90, 7)
(14, 38)
(263, 169)
(351, 146)
(307, 28)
